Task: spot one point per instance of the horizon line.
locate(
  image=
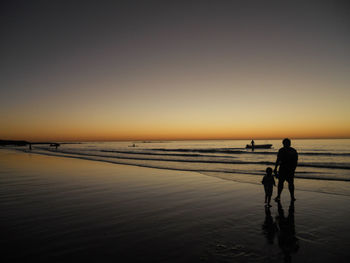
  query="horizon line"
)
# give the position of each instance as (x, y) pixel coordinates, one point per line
(181, 139)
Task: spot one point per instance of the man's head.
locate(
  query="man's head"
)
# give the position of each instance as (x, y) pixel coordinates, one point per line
(286, 142)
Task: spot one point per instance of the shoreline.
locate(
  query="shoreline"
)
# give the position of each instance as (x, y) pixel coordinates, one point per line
(324, 186)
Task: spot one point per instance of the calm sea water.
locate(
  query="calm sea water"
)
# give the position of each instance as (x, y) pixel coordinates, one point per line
(323, 164)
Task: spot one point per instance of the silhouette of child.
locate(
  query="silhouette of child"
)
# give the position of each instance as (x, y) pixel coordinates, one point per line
(268, 181)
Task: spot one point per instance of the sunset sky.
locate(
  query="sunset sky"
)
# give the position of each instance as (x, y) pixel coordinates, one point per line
(127, 70)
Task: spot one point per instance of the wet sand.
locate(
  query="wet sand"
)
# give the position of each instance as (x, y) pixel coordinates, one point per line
(59, 209)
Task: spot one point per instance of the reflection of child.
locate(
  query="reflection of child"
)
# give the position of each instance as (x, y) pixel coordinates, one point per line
(268, 181)
(269, 227)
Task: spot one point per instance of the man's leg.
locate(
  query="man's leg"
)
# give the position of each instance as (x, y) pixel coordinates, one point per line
(291, 188)
(279, 188)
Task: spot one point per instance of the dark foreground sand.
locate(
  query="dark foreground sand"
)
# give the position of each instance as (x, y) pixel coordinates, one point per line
(62, 210)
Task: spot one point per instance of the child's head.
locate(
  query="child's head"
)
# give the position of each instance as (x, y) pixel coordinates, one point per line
(268, 170)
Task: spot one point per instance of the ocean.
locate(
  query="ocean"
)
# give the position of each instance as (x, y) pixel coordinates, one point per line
(324, 165)
(64, 208)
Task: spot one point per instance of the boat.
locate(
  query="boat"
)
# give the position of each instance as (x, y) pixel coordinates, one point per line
(259, 146)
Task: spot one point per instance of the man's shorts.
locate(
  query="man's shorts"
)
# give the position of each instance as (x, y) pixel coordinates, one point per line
(290, 180)
(286, 176)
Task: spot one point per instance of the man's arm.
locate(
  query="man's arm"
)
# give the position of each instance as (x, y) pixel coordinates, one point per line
(277, 162)
(296, 160)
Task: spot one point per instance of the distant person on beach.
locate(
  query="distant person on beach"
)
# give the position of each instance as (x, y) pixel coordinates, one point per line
(287, 160)
(268, 181)
(252, 143)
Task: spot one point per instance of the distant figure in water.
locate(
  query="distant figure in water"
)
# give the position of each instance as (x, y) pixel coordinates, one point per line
(287, 160)
(268, 181)
(252, 143)
(55, 145)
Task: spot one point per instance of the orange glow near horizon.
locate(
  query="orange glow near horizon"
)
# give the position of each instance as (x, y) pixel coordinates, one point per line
(234, 109)
(90, 133)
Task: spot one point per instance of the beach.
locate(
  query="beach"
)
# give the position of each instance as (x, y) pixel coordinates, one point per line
(56, 209)
(141, 131)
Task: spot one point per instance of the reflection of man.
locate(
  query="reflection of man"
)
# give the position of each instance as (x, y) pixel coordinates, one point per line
(287, 160)
(287, 240)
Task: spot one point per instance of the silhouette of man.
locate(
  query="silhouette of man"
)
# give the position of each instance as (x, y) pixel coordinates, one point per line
(287, 160)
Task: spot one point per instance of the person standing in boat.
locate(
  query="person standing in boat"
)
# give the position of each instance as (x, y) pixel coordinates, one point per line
(287, 160)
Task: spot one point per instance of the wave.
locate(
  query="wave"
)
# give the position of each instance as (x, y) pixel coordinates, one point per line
(211, 161)
(324, 154)
(167, 165)
(210, 150)
(215, 160)
(243, 151)
(162, 159)
(162, 154)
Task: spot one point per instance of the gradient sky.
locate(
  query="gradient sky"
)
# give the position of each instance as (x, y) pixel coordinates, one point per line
(84, 70)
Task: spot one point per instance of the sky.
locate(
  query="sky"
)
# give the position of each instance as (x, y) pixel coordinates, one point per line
(151, 70)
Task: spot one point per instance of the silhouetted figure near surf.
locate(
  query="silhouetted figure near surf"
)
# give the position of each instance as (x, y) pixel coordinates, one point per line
(287, 160)
(252, 143)
(268, 181)
(287, 240)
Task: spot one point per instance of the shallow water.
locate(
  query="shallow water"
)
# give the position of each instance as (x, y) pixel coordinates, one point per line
(326, 163)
